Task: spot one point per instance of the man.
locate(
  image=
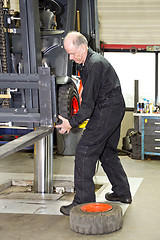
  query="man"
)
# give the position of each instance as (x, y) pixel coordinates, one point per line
(103, 104)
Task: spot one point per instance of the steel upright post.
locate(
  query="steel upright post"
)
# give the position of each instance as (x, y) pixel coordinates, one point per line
(43, 169)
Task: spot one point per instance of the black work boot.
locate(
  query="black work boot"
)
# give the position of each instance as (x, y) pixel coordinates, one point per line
(66, 209)
(115, 197)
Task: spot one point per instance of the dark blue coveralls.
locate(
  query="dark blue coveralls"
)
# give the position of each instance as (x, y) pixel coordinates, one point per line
(103, 105)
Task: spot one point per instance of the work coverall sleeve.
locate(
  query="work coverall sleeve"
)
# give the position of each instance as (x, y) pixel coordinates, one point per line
(89, 96)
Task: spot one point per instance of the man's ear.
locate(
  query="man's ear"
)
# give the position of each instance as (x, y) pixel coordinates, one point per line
(83, 47)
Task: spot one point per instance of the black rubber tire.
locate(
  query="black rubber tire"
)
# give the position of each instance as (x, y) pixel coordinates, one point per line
(65, 95)
(96, 222)
(66, 144)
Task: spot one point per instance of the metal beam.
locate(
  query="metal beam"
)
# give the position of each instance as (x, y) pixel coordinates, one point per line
(20, 84)
(16, 118)
(13, 77)
(45, 97)
(30, 33)
(19, 81)
(24, 141)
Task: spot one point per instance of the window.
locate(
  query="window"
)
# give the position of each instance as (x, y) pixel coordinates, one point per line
(130, 67)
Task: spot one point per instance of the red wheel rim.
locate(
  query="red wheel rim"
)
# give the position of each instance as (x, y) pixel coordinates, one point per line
(96, 207)
(74, 106)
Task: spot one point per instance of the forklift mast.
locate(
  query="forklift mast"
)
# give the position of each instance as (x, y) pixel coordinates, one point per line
(32, 39)
(36, 78)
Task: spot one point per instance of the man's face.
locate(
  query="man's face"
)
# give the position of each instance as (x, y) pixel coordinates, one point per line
(75, 53)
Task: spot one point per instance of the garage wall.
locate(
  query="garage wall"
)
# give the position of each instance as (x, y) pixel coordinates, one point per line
(129, 21)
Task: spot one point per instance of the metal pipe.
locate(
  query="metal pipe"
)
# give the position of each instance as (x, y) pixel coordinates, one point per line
(49, 164)
(9, 124)
(39, 159)
(78, 21)
(156, 78)
(136, 94)
(43, 165)
(15, 18)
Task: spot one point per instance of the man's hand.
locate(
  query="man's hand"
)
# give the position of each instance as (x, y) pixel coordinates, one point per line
(65, 126)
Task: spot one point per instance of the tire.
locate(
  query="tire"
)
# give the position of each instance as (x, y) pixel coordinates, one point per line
(96, 222)
(68, 101)
(68, 105)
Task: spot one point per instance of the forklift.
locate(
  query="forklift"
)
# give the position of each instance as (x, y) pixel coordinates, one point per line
(33, 38)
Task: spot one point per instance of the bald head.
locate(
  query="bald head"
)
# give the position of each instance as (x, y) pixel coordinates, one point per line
(76, 38)
(76, 46)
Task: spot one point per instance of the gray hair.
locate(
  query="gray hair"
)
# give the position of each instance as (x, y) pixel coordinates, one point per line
(77, 38)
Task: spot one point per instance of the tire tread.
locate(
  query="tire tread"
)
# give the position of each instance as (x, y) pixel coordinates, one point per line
(96, 223)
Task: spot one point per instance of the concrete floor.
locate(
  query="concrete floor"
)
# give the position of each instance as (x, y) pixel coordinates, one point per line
(140, 221)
